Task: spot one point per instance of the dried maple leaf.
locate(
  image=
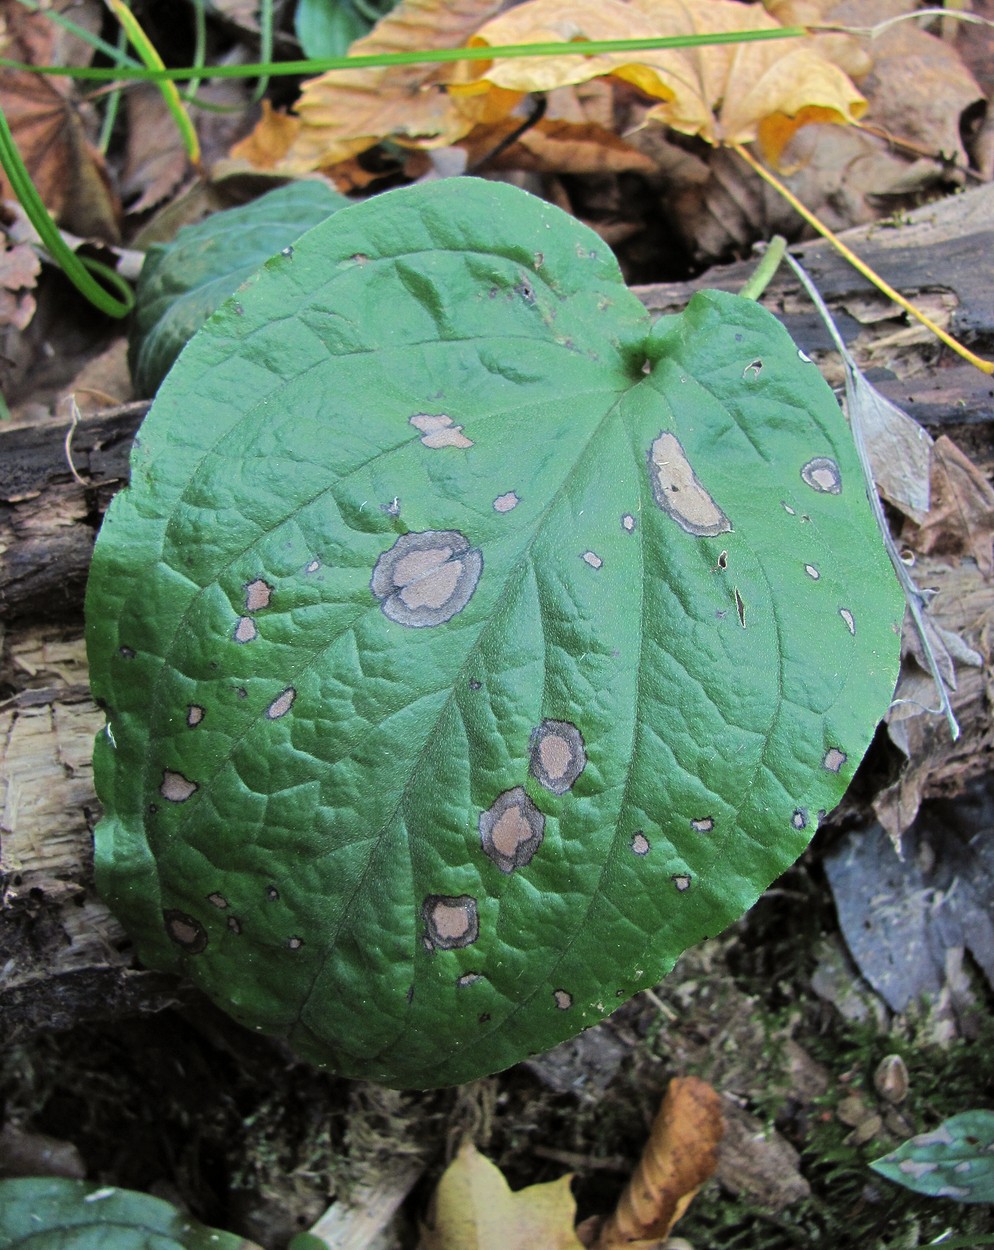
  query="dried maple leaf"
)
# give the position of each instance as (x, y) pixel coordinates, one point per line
(680, 1155)
(474, 1209)
(347, 111)
(725, 94)
(50, 128)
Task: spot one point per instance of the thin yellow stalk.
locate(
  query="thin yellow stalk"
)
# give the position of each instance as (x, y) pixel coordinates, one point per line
(986, 366)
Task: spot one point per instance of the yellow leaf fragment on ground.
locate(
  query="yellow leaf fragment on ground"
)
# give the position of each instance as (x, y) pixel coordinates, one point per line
(729, 93)
(344, 112)
(271, 139)
(474, 1209)
(680, 1155)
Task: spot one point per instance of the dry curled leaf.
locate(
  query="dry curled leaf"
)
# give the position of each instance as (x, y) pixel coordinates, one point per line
(345, 112)
(725, 94)
(680, 1155)
(474, 1209)
(960, 520)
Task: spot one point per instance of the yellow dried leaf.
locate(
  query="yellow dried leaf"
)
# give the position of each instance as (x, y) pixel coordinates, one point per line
(270, 141)
(346, 111)
(731, 93)
(680, 1155)
(474, 1209)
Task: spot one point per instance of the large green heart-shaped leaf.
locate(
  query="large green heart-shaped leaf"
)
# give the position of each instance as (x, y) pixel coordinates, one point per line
(472, 644)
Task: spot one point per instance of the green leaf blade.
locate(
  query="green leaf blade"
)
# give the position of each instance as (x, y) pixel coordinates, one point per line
(462, 658)
(955, 1160)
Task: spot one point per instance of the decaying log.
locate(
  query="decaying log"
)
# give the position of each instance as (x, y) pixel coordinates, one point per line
(63, 958)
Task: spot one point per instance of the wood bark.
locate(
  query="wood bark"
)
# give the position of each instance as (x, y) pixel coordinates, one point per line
(63, 957)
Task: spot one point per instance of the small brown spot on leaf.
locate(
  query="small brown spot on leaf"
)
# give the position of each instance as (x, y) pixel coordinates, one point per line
(787, 508)
(272, 894)
(504, 503)
(217, 899)
(628, 523)
(563, 999)
(526, 291)
(360, 258)
(234, 924)
(468, 978)
(703, 824)
(426, 578)
(245, 629)
(640, 844)
(740, 608)
(800, 818)
(538, 260)
(126, 653)
(450, 922)
(195, 714)
(723, 561)
(822, 474)
(511, 830)
(474, 684)
(185, 931)
(682, 881)
(834, 759)
(483, 1017)
(849, 619)
(175, 787)
(812, 572)
(313, 566)
(437, 430)
(281, 704)
(753, 369)
(295, 943)
(558, 755)
(593, 559)
(677, 489)
(257, 595)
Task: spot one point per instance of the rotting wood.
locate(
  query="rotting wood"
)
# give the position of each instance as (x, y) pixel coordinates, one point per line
(63, 958)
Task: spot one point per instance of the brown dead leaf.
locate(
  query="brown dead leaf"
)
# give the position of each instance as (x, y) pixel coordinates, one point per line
(19, 269)
(474, 1209)
(960, 520)
(556, 146)
(51, 128)
(918, 87)
(680, 1155)
(726, 94)
(345, 112)
(270, 141)
(156, 159)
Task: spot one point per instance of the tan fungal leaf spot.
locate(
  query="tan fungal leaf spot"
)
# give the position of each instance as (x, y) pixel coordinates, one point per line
(185, 931)
(800, 818)
(126, 653)
(426, 578)
(849, 619)
(360, 258)
(257, 595)
(677, 489)
(234, 924)
(511, 830)
(682, 881)
(558, 755)
(437, 430)
(593, 559)
(640, 844)
(175, 787)
(450, 921)
(313, 566)
(468, 978)
(245, 630)
(754, 368)
(740, 608)
(787, 508)
(272, 894)
(812, 572)
(504, 503)
(217, 899)
(563, 999)
(281, 704)
(703, 824)
(195, 714)
(723, 561)
(538, 260)
(294, 943)
(822, 475)
(628, 523)
(834, 759)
